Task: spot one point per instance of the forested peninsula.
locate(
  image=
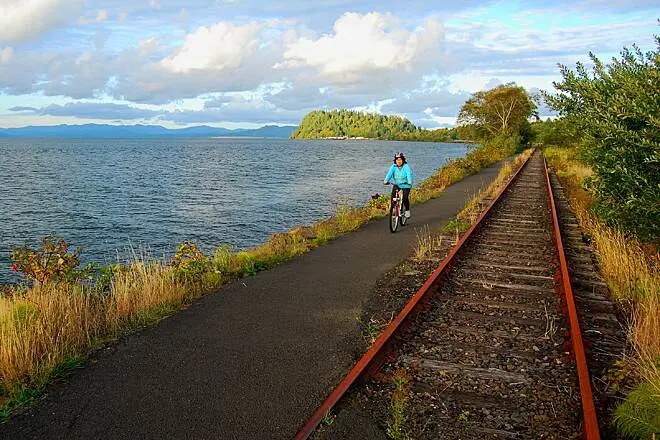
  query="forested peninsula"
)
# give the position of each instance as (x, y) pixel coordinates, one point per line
(349, 124)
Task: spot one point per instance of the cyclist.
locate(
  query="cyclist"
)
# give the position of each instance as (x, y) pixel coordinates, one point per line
(401, 175)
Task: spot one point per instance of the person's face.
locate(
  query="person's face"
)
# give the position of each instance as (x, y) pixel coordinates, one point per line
(399, 162)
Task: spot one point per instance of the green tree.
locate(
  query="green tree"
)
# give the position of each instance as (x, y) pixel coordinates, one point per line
(555, 132)
(501, 111)
(336, 123)
(616, 108)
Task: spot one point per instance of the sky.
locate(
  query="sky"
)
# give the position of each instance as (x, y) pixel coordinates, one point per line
(248, 63)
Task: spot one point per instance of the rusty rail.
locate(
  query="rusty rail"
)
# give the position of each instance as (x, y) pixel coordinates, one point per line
(590, 427)
(386, 338)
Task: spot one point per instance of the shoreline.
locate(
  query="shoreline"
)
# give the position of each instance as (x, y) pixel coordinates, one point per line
(141, 294)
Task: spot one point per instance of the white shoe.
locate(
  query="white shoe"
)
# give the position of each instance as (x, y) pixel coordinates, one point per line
(407, 214)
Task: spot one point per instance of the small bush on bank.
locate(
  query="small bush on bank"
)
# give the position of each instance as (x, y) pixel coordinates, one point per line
(52, 262)
(189, 262)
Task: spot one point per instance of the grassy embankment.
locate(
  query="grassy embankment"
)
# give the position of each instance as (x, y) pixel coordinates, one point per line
(632, 271)
(49, 328)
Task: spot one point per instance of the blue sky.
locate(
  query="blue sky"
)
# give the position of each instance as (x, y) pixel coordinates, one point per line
(246, 63)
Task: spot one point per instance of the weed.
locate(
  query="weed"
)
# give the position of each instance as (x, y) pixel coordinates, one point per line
(189, 262)
(52, 262)
(23, 396)
(426, 243)
(464, 416)
(456, 225)
(396, 424)
(374, 327)
(328, 419)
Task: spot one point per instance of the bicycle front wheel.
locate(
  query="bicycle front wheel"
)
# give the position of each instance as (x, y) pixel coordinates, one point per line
(394, 219)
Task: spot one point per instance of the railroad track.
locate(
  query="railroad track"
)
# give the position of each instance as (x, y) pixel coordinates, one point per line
(490, 346)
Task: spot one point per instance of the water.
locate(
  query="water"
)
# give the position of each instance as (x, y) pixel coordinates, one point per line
(106, 196)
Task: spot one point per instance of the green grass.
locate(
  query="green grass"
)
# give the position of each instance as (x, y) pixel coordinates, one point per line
(398, 407)
(25, 395)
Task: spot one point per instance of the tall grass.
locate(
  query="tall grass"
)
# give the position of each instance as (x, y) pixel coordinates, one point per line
(427, 244)
(632, 271)
(44, 327)
(49, 323)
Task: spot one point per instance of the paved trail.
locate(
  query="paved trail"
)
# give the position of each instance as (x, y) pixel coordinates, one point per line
(251, 361)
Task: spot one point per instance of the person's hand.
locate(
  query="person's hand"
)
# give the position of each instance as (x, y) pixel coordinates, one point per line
(385, 183)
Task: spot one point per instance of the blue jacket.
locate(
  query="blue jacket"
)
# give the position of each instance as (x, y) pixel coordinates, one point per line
(403, 177)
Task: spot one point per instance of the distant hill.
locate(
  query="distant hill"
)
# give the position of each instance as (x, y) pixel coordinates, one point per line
(341, 124)
(140, 131)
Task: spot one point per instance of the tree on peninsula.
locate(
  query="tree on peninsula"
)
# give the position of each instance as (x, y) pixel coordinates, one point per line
(347, 123)
(320, 124)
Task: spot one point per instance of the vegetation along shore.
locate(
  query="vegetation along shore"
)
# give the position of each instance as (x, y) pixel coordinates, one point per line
(604, 146)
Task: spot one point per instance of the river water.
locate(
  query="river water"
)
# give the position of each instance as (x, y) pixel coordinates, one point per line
(113, 198)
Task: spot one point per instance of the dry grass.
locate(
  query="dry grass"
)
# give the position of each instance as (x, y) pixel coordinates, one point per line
(50, 323)
(631, 270)
(427, 243)
(41, 329)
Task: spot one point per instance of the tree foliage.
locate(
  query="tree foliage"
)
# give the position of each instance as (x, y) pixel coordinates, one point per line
(555, 132)
(616, 108)
(321, 124)
(503, 110)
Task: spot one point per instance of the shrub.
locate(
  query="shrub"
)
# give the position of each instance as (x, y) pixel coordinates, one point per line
(616, 108)
(190, 263)
(52, 262)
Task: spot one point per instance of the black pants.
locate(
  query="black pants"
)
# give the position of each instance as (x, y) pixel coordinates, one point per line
(406, 193)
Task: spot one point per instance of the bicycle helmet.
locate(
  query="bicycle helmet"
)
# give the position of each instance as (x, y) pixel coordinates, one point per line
(400, 155)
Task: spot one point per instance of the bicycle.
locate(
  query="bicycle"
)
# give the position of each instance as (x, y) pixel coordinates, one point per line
(397, 212)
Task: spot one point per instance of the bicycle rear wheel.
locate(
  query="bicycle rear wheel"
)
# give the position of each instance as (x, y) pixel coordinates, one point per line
(394, 218)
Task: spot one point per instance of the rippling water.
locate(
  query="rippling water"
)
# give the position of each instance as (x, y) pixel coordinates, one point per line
(108, 195)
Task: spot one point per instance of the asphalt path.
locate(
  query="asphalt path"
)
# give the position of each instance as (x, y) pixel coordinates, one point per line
(250, 361)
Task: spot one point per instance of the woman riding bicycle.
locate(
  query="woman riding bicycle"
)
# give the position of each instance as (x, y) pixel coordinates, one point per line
(401, 175)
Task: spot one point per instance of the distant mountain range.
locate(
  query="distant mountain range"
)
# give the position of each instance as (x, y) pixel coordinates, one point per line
(140, 131)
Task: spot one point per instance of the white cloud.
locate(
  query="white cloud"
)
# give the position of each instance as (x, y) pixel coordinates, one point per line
(102, 15)
(362, 44)
(24, 19)
(221, 46)
(148, 45)
(6, 54)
